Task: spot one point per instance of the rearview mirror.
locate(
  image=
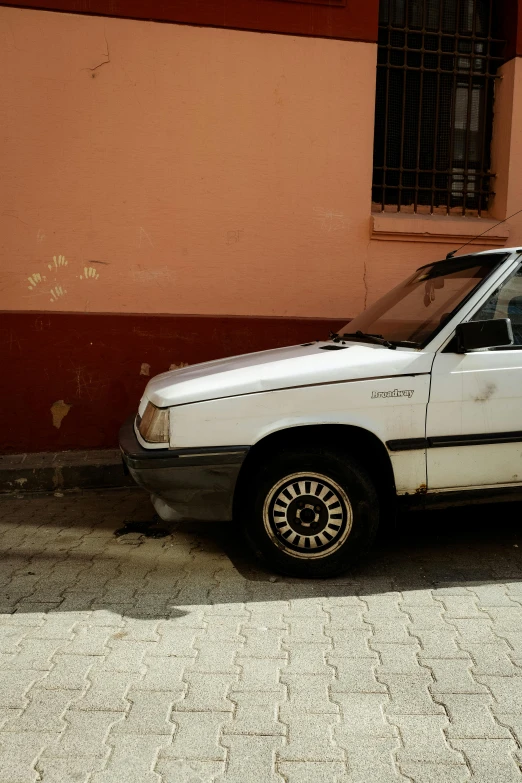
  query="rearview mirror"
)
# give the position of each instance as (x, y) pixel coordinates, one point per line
(495, 333)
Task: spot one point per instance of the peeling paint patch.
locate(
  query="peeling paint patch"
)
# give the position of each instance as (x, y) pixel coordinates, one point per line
(59, 411)
(178, 366)
(145, 369)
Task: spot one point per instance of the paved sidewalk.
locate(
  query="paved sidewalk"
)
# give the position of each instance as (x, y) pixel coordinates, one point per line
(134, 659)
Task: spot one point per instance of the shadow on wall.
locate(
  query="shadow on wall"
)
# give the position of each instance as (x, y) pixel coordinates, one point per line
(62, 555)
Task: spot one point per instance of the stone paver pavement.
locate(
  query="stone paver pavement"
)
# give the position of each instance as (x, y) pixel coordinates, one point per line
(134, 659)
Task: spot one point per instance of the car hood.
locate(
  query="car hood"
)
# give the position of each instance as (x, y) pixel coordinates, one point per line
(283, 368)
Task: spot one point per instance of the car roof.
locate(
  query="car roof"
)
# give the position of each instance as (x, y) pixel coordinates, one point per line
(505, 251)
(516, 249)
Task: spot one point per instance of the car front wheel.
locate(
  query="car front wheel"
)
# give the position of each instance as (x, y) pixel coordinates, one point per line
(315, 512)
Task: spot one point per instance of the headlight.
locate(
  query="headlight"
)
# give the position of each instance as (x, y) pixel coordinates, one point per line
(154, 424)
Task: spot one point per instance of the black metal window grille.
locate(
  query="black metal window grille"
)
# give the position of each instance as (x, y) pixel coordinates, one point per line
(436, 68)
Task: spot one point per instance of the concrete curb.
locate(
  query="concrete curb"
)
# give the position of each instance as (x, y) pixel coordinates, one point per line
(50, 471)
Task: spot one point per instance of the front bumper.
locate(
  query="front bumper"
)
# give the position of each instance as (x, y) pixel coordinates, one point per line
(196, 483)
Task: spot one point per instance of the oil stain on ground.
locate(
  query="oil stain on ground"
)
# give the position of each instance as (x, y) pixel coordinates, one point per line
(151, 528)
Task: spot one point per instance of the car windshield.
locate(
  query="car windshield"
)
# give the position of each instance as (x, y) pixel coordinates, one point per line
(412, 312)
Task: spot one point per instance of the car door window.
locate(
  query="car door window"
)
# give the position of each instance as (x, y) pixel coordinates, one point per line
(505, 302)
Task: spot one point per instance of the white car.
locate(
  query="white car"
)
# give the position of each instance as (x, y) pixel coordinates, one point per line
(418, 400)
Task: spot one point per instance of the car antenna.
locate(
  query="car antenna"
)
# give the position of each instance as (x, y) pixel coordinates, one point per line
(452, 253)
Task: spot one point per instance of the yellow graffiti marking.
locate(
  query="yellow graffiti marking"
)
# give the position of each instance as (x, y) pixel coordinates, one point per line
(35, 280)
(57, 262)
(57, 292)
(89, 272)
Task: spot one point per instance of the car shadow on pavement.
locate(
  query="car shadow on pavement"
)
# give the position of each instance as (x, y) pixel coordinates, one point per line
(92, 551)
(481, 543)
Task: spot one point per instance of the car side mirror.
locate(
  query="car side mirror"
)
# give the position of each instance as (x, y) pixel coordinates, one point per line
(495, 333)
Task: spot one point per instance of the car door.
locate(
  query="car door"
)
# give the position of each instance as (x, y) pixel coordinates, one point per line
(474, 416)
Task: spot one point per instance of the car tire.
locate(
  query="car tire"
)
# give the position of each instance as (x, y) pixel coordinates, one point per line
(314, 513)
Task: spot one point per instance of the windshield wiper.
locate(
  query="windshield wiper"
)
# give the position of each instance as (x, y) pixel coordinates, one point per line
(377, 339)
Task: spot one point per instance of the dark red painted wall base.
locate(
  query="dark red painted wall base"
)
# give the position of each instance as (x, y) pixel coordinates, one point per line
(93, 363)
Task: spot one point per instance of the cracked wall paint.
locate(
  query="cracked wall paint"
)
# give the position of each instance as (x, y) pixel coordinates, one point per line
(59, 411)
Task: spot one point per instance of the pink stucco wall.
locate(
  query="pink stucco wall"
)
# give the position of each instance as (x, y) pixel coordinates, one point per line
(158, 168)
(507, 147)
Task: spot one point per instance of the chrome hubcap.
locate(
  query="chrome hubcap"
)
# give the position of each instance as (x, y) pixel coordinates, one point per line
(308, 515)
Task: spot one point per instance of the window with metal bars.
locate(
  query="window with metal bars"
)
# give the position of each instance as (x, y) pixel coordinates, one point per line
(436, 70)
